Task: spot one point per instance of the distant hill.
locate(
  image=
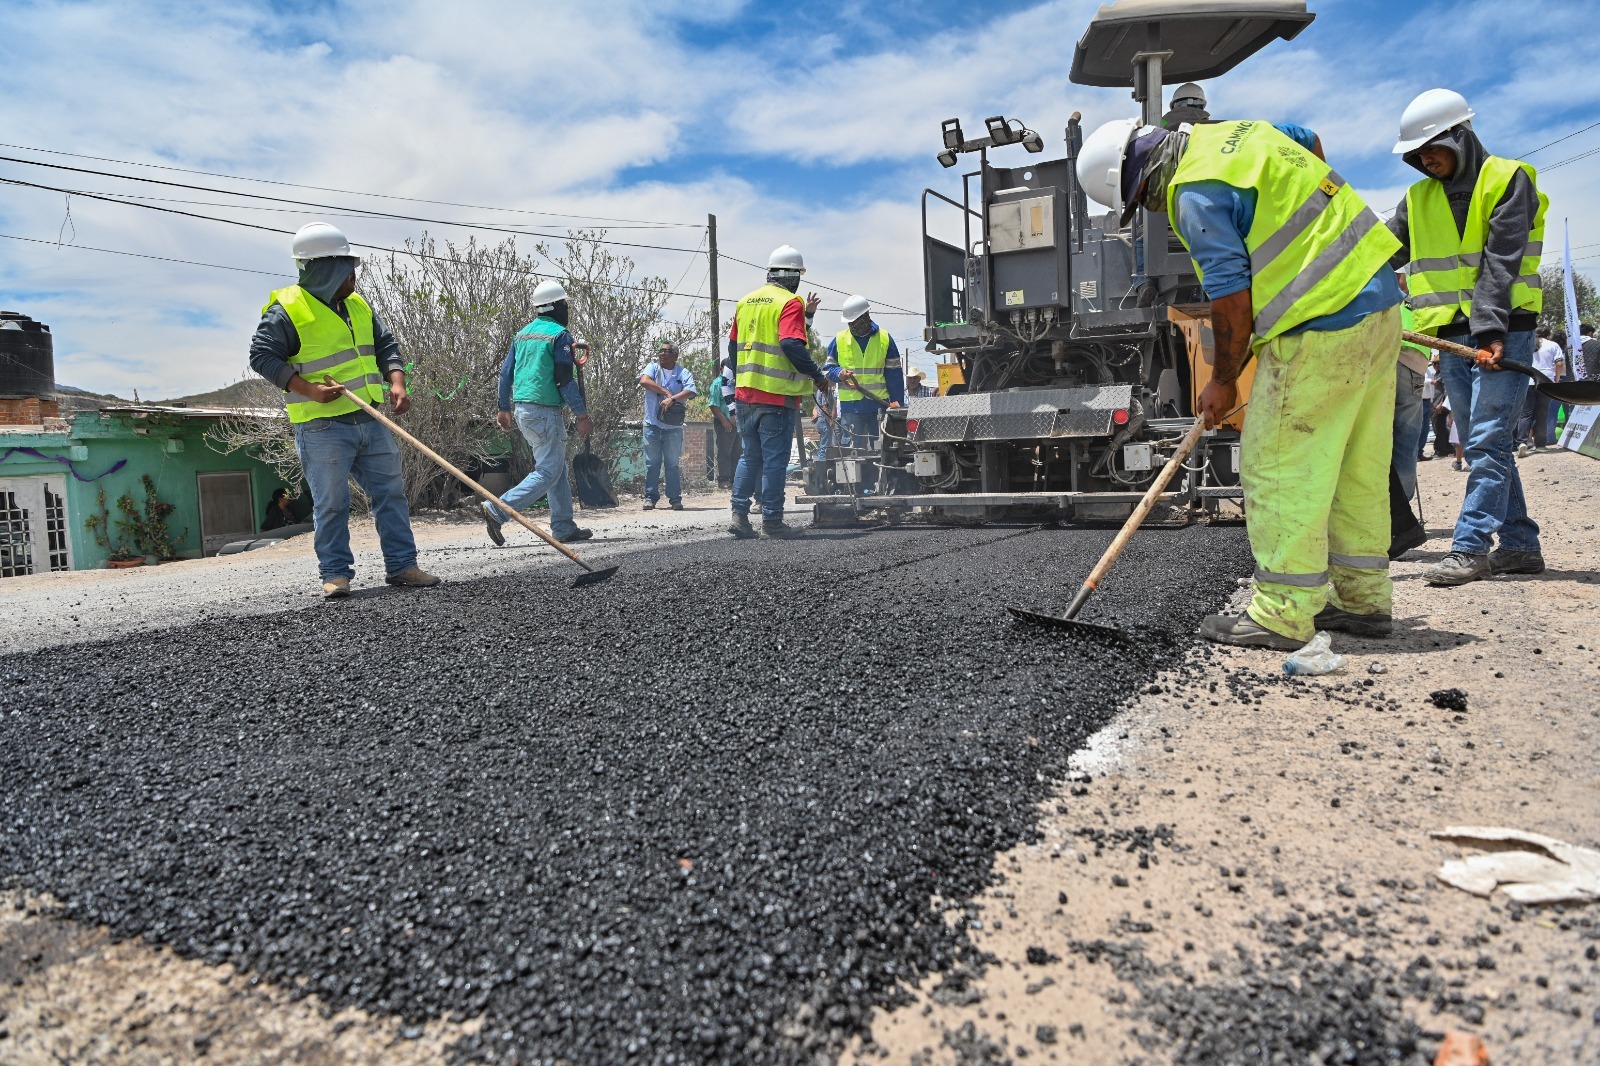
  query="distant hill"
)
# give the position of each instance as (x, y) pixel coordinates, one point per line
(246, 393)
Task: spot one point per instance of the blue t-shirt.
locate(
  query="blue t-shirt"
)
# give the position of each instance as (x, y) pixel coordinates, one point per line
(676, 380)
(1214, 218)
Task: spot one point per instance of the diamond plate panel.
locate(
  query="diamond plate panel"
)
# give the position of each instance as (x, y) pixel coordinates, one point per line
(1022, 414)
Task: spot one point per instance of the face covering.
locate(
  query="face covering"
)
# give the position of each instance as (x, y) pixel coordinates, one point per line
(558, 313)
(787, 281)
(1163, 164)
(323, 277)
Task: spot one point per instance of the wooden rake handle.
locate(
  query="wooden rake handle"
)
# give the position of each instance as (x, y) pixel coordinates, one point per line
(1136, 519)
(449, 467)
(1449, 347)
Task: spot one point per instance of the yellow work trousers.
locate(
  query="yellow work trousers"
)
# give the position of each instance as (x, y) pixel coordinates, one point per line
(1314, 464)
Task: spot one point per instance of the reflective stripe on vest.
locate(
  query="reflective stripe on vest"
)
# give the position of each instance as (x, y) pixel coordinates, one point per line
(868, 365)
(330, 349)
(1443, 272)
(762, 364)
(1314, 244)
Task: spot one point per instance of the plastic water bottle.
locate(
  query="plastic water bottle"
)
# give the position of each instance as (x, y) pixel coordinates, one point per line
(1317, 657)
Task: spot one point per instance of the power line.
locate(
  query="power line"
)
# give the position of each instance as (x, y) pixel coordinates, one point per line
(1572, 159)
(1558, 140)
(141, 255)
(809, 284)
(351, 192)
(322, 207)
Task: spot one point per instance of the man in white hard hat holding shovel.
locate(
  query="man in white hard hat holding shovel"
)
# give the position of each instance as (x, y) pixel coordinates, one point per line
(316, 340)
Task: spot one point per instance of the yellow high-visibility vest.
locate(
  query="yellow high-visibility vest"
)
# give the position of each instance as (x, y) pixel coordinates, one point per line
(762, 364)
(868, 365)
(1314, 243)
(1443, 271)
(329, 348)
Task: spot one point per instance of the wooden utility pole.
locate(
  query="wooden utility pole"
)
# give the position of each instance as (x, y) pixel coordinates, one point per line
(716, 305)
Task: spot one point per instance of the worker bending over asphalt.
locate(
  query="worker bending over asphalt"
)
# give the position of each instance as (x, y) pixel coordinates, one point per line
(1287, 251)
(319, 331)
(774, 370)
(1471, 233)
(863, 359)
(539, 378)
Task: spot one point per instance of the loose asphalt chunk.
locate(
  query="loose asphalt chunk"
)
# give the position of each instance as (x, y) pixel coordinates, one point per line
(697, 814)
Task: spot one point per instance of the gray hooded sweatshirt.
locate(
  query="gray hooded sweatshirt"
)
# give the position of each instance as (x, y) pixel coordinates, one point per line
(1510, 223)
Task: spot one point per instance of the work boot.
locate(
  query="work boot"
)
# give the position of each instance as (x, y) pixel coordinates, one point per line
(649, 505)
(677, 505)
(781, 531)
(1506, 561)
(1406, 539)
(576, 535)
(1458, 568)
(1361, 625)
(336, 588)
(741, 527)
(493, 524)
(1244, 632)
(414, 578)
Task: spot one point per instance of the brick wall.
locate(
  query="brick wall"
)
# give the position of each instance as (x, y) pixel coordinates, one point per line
(27, 410)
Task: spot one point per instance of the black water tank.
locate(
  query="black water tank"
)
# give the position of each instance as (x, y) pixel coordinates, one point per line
(27, 357)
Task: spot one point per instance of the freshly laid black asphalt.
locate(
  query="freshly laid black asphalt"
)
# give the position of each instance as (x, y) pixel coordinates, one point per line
(696, 814)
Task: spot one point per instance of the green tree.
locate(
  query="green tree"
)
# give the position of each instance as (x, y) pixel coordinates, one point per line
(1553, 279)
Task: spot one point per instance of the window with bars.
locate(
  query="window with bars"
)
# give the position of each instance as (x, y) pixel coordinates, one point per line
(34, 535)
(16, 535)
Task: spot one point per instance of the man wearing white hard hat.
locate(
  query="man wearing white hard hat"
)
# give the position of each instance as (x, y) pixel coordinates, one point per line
(1296, 268)
(1471, 234)
(773, 373)
(537, 380)
(865, 363)
(320, 331)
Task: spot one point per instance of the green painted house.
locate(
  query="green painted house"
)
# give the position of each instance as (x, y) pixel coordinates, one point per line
(51, 477)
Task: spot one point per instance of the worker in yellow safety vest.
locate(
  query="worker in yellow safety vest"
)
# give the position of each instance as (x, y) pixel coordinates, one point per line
(773, 372)
(317, 341)
(865, 362)
(1471, 235)
(1296, 267)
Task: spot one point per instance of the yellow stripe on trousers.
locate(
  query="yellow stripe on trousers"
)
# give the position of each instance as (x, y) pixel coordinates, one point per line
(1314, 463)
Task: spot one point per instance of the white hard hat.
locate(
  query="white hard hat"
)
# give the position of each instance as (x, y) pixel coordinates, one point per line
(547, 294)
(1100, 161)
(318, 240)
(1189, 93)
(854, 308)
(1428, 116)
(786, 257)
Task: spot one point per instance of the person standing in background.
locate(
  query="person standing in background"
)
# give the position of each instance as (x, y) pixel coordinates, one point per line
(668, 388)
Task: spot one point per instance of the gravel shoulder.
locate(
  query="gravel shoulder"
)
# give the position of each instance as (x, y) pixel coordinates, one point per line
(1241, 870)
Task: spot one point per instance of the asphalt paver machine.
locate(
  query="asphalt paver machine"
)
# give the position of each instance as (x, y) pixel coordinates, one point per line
(1074, 348)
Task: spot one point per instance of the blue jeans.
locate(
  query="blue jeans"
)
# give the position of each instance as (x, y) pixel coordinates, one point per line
(1523, 434)
(767, 431)
(824, 436)
(860, 428)
(663, 445)
(1408, 420)
(545, 430)
(1486, 405)
(1425, 424)
(331, 453)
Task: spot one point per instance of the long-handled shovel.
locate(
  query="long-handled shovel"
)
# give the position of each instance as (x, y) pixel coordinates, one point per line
(1576, 393)
(1131, 526)
(592, 577)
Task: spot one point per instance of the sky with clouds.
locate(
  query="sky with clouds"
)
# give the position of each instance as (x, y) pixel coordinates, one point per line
(813, 125)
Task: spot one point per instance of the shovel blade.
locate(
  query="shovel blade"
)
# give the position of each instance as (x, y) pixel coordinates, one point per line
(592, 482)
(594, 577)
(1577, 393)
(1071, 625)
